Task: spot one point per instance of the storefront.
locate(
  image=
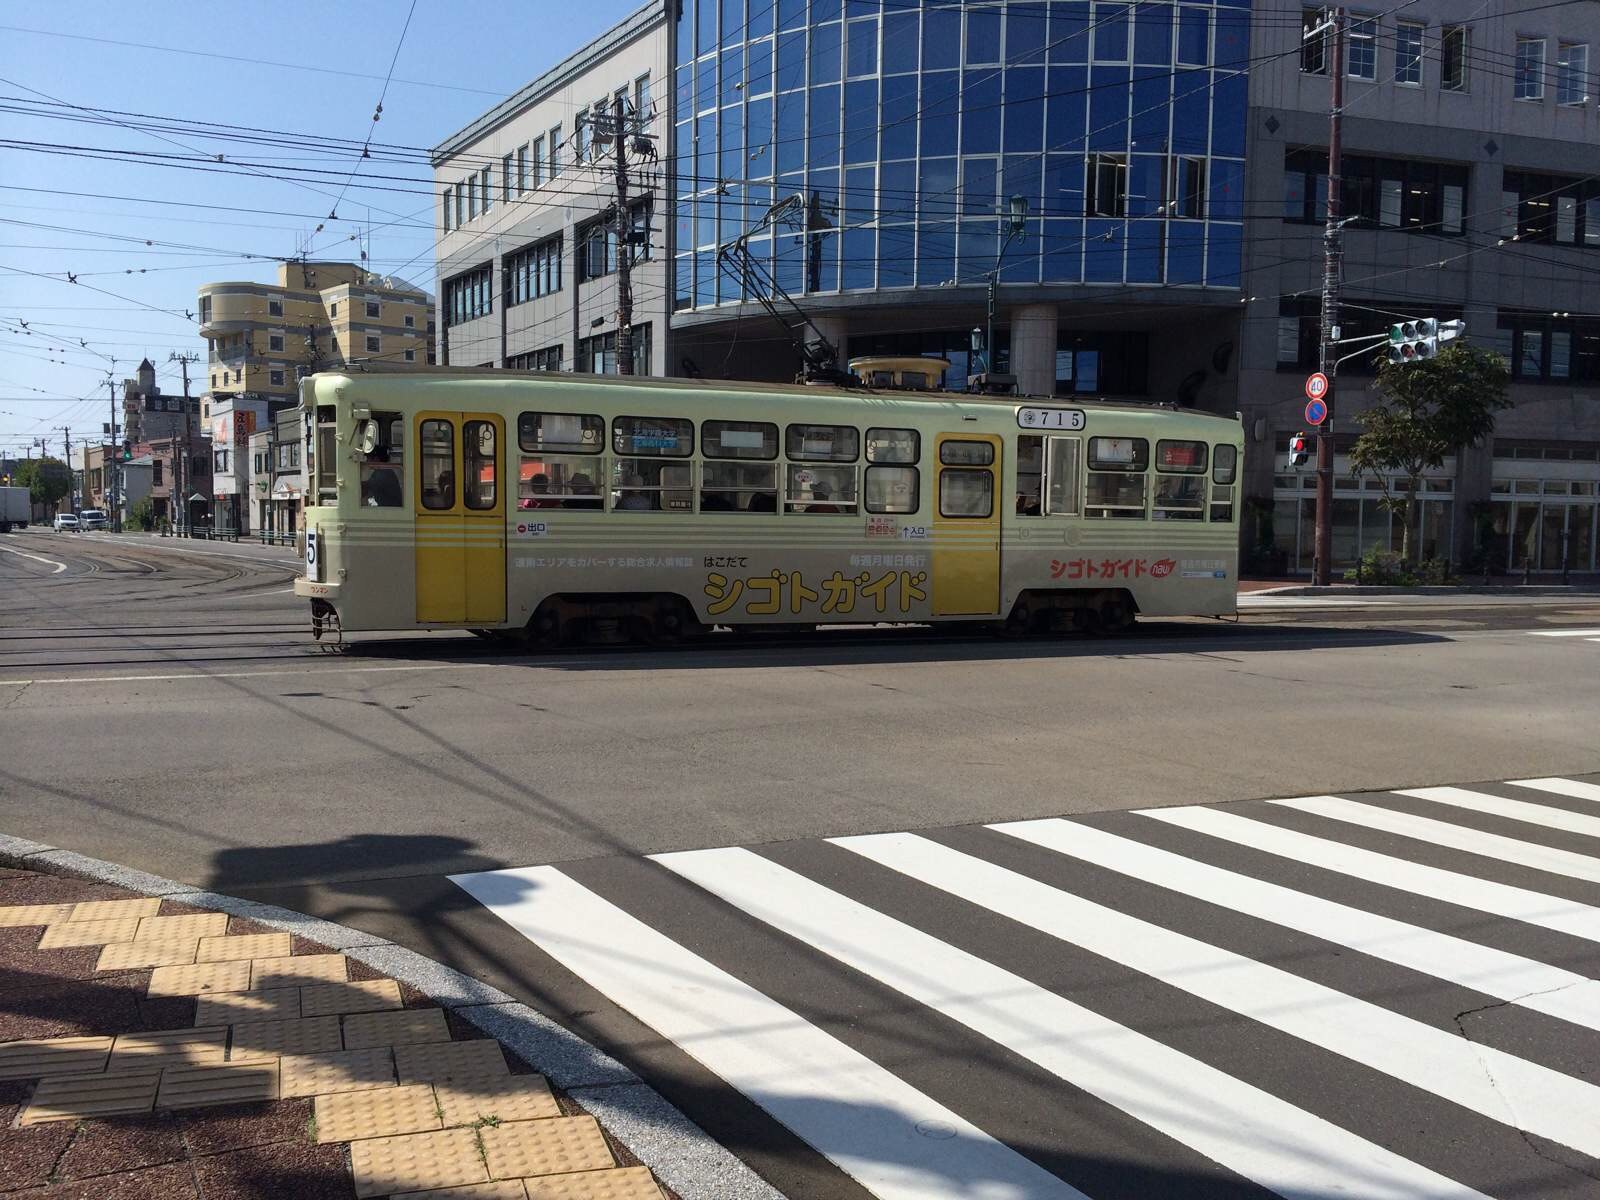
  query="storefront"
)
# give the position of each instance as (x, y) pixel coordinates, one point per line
(1542, 505)
(1360, 521)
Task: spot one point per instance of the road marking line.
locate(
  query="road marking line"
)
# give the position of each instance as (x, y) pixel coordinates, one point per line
(1434, 883)
(49, 562)
(854, 1112)
(1509, 977)
(1488, 1081)
(1456, 837)
(1516, 810)
(1577, 789)
(1583, 633)
(241, 674)
(1248, 1130)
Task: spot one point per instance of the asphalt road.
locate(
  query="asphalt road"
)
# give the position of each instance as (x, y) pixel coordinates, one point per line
(162, 706)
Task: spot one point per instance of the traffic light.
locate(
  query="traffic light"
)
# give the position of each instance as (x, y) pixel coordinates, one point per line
(1413, 341)
(1299, 450)
(127, 452)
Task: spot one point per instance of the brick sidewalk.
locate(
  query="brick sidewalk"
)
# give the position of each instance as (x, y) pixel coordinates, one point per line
(153, 1050)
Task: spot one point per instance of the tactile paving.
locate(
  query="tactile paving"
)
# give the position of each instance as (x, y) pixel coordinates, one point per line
(89, 933)
(495, 1189)
(414, 1161)
(68, 1097)
(616, 1183)
(129, 956)
(480, 1059)
(244, 946)
(231, 1008)
(521, 1148)
(379, 1112)
(53, 1056)
(193, 979)
(168, 1046)
(397, 1027)
(295, 1035)
(341, 1071)
(101, 910)
(13, 916)
(187, 925)
(218, 1083)
(297, 969)
(356, 995)
(509, 1098)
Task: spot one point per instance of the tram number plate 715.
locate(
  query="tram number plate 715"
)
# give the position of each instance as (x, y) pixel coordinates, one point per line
(1070, 419)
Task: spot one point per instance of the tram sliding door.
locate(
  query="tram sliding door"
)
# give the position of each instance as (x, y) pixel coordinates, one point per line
(966, 526)
(460, 519)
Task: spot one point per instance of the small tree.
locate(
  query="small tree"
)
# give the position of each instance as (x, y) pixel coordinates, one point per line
(1425, 411)
(47, 480)
(142, 515)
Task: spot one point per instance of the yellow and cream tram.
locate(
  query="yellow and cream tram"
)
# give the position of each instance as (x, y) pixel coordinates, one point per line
(604, 507)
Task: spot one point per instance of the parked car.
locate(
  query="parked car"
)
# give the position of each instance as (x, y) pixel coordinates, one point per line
(67, 522)
(93, 518)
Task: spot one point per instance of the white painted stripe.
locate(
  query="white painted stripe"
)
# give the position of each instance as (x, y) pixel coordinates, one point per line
(49, 562)
(1250, 1131)
(1466, 891)
(1485, 1080)
(205, 675)
(1516, 810)
(1509, 977)
(1583, 633)
(1456, 837)
(860, 1116)
(1575, 788)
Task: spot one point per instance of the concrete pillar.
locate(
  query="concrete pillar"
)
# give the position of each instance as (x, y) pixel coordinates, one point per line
(1033, 349)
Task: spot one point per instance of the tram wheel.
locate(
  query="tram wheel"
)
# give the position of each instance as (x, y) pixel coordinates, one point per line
(1116, 616)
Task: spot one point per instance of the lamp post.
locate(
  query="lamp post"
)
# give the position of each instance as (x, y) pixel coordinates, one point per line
(1016, 222)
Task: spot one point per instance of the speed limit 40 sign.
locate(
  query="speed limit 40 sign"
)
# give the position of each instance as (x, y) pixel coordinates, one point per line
(1316, 386)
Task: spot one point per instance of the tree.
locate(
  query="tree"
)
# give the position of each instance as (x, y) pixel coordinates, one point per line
(142, 514)
(47, 480)
(1426, 410)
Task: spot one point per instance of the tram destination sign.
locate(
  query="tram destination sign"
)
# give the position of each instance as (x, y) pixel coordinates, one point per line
(1071, 419)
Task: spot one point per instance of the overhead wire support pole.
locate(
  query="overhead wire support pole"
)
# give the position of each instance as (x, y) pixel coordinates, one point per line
(1332, 268)
(624, 244)
(111, 461)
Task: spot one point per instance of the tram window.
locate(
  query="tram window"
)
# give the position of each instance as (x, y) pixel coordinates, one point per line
(327, 460)
(737, 486)
(891, 489)
(1062, 475)
(664, 437)
(1116, 481)
(1181, 458)
(479, 461)
(966, 493)
(650, 485)
(823, 443)
(893, 446)
(1224, 463)
(966, 454)
(739, 439)
(436, 464)
(1030, 475)
(827, 490)
(561, 433)
(1118, 454)
(548, 481)
(1222, 501)
(1179, 498)
(383, 468)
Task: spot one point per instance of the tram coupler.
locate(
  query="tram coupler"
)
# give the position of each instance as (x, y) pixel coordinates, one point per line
(325, 622)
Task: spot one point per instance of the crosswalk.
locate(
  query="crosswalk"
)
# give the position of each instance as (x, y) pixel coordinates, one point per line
(1385, 995)
(1587, 635)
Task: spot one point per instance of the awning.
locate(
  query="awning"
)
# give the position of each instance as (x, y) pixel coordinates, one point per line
(285, 491)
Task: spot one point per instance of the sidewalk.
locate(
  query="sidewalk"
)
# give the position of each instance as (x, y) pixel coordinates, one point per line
(150, 1050)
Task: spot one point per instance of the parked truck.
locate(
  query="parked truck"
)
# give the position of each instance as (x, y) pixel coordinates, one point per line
(16, 508)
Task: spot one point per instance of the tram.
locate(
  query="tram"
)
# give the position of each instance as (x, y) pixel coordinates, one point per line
(562, 507)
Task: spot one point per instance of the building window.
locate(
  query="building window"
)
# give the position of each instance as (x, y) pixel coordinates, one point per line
(275, 341)
(533, 272)
(580, 136)
(411, 321)
(1313, 46)
(1187, 189)
(333, 309)
(1572, 73)
(1453, 44)
(548, 359)
(1529, 79)
(373, 343)
(553, 160)
(1551, 208)
(1377, 192)
(1362, 48)
(1107, 192)
(411, 356)
(472, 197)
(445, 210)
(597, 244)
(466, 297)
(505, 179)
(274, 308)
(1408, 54)
(276, 378)
(373, 309)
(536, 163)
(1109, 26)
(598, 355)
(641, 97)
(461, 204)
(1194, 37)
(522, 168)
(486, 188)
(205, 310)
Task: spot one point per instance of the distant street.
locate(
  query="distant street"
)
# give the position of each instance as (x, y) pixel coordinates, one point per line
(165, 708)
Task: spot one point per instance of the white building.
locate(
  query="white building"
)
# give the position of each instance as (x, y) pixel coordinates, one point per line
(233, 421)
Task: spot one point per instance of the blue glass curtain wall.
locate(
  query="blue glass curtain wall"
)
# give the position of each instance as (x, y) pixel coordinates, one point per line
(907, 127)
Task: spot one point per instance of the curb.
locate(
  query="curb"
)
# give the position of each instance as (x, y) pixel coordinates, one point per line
(681, 1154)
(1351, 589)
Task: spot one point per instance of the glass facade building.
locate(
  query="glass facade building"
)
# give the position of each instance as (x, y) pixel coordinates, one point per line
(907, 127)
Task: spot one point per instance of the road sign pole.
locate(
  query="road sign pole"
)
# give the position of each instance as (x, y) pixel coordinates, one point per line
(1332, 253)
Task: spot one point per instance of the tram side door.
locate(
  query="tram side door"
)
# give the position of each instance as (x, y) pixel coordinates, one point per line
(966, 526)
(460, 518)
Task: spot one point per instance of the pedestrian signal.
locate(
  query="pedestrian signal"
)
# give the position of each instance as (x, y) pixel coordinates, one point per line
(1413, 341)
(1299, 450)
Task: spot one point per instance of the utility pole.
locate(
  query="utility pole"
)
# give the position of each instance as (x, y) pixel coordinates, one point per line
(621, 128)
(1332, 270)
(180, 470)
(111, 462)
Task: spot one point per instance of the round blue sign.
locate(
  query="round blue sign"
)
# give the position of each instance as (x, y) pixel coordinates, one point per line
(1316, 412)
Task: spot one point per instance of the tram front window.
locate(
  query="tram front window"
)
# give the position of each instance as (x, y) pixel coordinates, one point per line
(383, 467)
(327, 450)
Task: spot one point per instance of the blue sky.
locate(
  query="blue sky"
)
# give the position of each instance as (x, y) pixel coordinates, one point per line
(157, 57)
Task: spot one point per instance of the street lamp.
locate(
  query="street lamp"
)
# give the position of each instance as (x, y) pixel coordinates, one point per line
(1016, 223)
